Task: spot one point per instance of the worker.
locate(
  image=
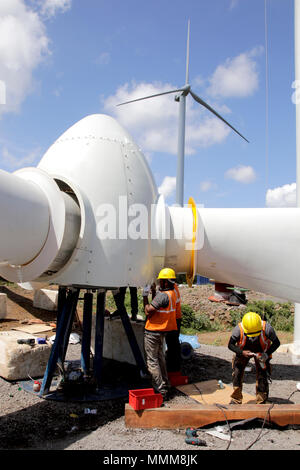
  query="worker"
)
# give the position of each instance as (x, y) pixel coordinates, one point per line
(160, 318)
(119, 297)
(173, 356)
(252, 338)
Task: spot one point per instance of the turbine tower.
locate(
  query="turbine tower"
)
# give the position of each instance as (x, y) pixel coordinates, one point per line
(181, 98)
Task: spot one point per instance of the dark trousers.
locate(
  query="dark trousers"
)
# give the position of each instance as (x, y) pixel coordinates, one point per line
(173, 355)
(262, 385)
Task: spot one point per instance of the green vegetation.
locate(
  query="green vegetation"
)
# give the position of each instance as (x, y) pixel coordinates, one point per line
(279, 315)
(194, 322)
(3, 282)
(111, 306)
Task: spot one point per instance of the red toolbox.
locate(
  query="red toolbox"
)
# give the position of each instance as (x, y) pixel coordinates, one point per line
(144, 398)
(176, 378)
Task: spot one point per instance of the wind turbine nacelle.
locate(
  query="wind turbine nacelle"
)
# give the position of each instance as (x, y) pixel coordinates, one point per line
(90, 216)
(53, 213)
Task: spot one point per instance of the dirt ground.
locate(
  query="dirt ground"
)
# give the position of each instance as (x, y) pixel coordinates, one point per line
(33, 423)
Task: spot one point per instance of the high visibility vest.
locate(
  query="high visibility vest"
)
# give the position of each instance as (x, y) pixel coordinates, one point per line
(164, 319)
(264, 341)
(178, 302)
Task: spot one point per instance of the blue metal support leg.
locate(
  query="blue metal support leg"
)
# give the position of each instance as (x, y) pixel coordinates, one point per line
(99, 337)
(70, 320)
(57, 352)
(86, 332)
(130, 335)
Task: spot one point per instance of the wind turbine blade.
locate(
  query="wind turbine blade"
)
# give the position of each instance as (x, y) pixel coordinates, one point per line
(200, 101)
(187, 55)
(152, 96)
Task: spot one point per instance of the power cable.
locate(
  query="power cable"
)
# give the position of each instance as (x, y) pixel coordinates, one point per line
(259, 435)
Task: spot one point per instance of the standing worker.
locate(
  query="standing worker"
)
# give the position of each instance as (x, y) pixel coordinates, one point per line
(252, 338)
(160, 318)
(172, 338)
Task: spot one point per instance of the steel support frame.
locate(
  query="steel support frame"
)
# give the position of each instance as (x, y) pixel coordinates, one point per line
(67, 303)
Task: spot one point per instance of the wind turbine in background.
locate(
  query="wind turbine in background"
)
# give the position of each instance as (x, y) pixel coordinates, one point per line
(181, 98)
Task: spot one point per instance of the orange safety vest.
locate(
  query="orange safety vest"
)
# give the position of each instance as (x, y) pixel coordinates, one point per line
(178, 302)
(164, 319)
(264, 341)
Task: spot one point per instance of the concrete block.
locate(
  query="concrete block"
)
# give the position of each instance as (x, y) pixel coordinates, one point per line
(116, 345)
(17, 361)
(3, 305)
(284, 348)
(46, 299)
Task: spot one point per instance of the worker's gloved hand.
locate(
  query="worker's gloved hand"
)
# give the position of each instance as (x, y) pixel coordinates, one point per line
(247, 353)
(146, 291)
(263, 357)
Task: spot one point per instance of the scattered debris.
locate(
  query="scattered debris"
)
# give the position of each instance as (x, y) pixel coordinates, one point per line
(219, 434)
(74, 338)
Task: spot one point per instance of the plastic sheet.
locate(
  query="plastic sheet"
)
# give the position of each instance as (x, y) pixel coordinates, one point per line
(192, 339)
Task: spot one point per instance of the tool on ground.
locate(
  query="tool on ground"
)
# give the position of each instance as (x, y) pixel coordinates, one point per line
(30, 341)
(195, 441)
(220, 383)
(191, 432)
(37, 386)
(192, 438)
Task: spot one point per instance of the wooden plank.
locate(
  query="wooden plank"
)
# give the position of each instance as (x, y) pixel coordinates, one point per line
(202, 415)
(209, 393)
(34, 329)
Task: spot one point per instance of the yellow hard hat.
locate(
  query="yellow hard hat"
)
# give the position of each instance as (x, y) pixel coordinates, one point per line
(252, 324)
(167, 273)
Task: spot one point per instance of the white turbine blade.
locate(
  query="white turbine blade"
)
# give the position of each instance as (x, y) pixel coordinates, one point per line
(187, 55)
(200, 101)
(152, 96)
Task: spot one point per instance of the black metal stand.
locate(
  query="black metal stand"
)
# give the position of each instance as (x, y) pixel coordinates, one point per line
(92, 384)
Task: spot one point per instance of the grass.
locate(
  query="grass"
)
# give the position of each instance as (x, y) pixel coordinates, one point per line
(279, 315)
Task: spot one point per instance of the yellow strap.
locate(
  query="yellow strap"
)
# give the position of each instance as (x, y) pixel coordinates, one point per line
(190, 275)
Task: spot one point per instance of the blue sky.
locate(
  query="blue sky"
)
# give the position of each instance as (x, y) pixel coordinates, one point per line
(64, 59)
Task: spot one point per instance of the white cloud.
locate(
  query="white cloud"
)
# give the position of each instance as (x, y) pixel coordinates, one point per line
(168, 186)
(237, 77)
(50, 8)
(233, 4)
(207, 185)
(103, 58)
(24, 45)
(242, 174)
(154, 122)
(13, 161)
(282, 196)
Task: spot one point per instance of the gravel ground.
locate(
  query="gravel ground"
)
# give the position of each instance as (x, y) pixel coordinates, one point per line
(32, 423)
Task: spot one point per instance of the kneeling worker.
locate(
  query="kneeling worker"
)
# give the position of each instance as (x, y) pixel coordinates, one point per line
(160, 318)
(252, 338)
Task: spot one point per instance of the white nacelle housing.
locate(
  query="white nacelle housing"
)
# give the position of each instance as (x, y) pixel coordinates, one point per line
(75, 220)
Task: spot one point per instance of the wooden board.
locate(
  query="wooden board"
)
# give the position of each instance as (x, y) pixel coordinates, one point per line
(34, 329)
(209, 393)
(202, 415)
